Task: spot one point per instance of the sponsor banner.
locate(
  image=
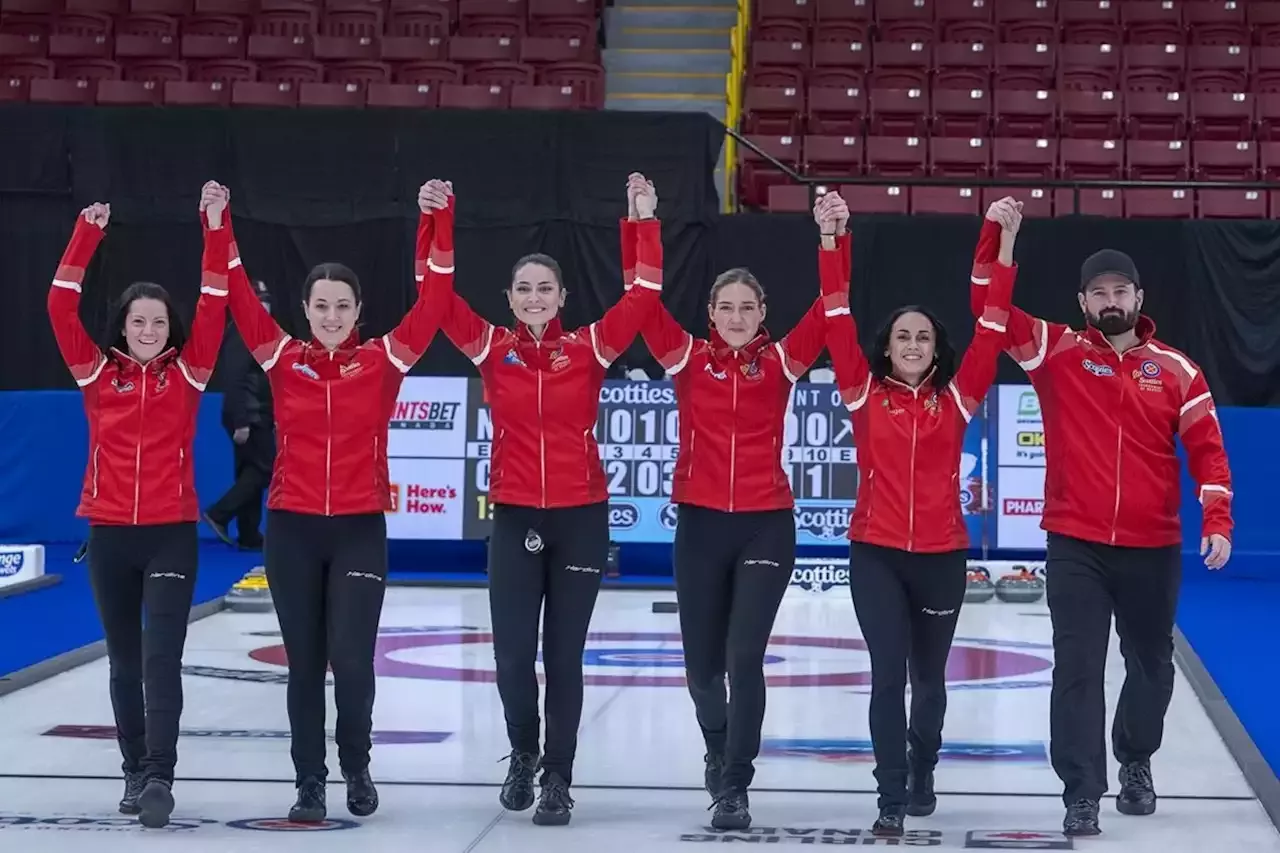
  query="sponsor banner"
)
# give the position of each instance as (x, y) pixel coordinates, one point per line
(389, 738)
(1020, 428)
(820, 574)
(1021, 503)
(1016, 839)
(177, 826)
(430, 418)
(1000, 839)
(20, 563)
(427, 498)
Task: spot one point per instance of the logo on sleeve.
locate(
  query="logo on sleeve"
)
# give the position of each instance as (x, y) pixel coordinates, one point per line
(1097, 369)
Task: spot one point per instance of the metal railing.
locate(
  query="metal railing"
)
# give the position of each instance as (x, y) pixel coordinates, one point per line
(815, 183)
(733, 100)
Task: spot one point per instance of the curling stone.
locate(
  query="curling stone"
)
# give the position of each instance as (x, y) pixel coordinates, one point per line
(665, 607)
(1023, 586)
(979, 588)
(251, 594)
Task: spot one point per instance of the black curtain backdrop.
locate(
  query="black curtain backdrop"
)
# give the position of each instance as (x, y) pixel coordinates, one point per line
(310, 186)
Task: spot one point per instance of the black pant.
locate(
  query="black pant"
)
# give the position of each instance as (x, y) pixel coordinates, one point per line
(327, 576)
(1086, 582)
(553, 558)
(243, 501)
(907, 606)
(145, 572)
(731, 572)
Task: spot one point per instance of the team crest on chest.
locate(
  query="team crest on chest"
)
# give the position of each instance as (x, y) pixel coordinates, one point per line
(559, 361)
(349, 369)
(931, 404)
(751, 370)
(1148, 376)
(122, 387)
(513, 357)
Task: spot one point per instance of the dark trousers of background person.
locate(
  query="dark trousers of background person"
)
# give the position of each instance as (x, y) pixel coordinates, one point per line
(1085, 583)
(243, 501)
(327, 576)
(731, 571)
(135, 572)
(907, 606)
(546, 563)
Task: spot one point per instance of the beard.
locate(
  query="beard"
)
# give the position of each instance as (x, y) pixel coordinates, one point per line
(1113, 321)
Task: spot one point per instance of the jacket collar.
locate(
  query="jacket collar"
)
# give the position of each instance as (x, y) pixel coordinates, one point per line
(155, 365)
(1145, 329)
(345, 350)
(926, 382)
(553, 332)
(721, 350)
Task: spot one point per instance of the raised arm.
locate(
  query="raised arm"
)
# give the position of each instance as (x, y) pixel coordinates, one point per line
(614, 332)
(835, 266)
(260, 332)
(433, 267)
(977, 370)
(665, 339)
(1201, 435)
(81, 355)
(1030, 338)
(201, 351)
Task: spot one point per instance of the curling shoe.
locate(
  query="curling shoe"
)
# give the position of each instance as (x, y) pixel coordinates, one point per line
(921, 800)
(362, 795)
(555, 804)
(1081, 819)
(732, 810)
(133, 785)
(155, 804)
(517, 790)
(713, 773)
(310, 805)
(890, 824)
(1137, 790)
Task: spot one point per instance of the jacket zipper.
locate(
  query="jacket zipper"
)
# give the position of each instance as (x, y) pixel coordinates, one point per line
(376, 466)
(328, 443)
(733, 441)
(182, 454)
(137, 457)
(586, 452)
(542, 435)
(911, 500)
(1115, 513)
(96, 448)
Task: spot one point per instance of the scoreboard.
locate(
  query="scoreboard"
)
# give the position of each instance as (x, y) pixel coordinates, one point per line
(638, 432)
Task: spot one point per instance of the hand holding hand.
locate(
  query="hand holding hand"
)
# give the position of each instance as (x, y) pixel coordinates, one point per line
(831, 212)
(434, 195)
(1007, 212)
(642, 196)
(97, 214)
(214, 198)
(1216, 550)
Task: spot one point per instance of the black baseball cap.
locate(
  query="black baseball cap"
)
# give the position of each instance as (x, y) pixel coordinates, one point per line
(1108, 262)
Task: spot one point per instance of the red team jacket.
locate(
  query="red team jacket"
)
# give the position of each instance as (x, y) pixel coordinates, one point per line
(544, 394)
(908, 439)
(333, 409)
(1110, 421)
(142, 418)
(732, 405)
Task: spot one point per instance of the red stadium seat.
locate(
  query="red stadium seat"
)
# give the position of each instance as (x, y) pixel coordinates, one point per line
(541, 9)
(771, 10)
(213, 37)
(906, 32)
(428, 73)
(756, 175)
(1037, 202)
(897, 157)
(1232, 204)
(399, 49)
(1025, 159)
(959, 158)
(783, 53)
(1026, 113)
(964, 55)
(788, 198)
(899, 112)
(543, 98)
(773, 110)
(1159, 204)
(1091, 159)
(1155, 115)
(854, 56)
(13, 45)
(543, 50)
(1158, 161)
(331, 95)
(1154, 68)
(959, 112)
(464, 97)
(889, 11)
(876, 199)
(837, 110)
(969, 32)
(1153, 23)
(172, 8)
(783, 29)
(1091, 114)
(1268, 116)
(465, 49)
(1025, 66)
(147, 37)
(62, 91)
(504, 74)
(1224, 116)
(423, 23)
(842, 10)
(262, 94)
(403, 95)
(833, 156)
(1225, 161)
(947, 11)
(586, 80)
(192, 93)
(962, 201)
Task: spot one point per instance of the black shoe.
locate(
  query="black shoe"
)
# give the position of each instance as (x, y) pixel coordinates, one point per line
(555, 804)
(890, 822)
(1081, 819)
(711, 776)
(362, 796)
(517, 790)
(155, 804)
(1137, 791)
(921, 800)
(133, 785)
(309, 807)
(732, 810)
(219, 528)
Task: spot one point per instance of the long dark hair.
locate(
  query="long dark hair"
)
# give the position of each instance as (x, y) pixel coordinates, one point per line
(113, 337)
(331, 271)
(944, 356)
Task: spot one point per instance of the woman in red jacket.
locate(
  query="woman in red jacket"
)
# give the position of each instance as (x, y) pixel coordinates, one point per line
(550, 505)
(142, 393)
(326, 539)
(911, 404)
(735, 538)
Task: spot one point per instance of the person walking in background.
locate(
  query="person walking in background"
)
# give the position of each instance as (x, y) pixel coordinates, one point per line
(326, 541)
(1115, 401)
(142, 390)
(735, 539)
(911, 404)
(549, 543)
(247, 418)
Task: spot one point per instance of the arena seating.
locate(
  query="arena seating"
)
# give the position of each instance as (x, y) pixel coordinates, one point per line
(1016, 89)
(483, 54)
